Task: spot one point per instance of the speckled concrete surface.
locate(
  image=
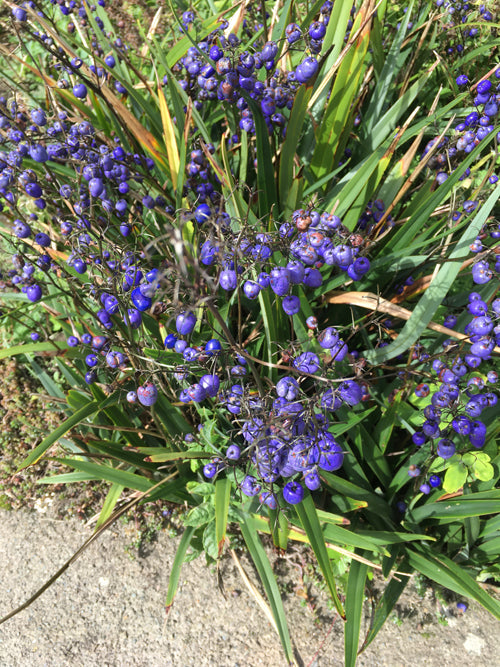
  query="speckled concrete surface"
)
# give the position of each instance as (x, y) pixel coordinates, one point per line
(108, 610)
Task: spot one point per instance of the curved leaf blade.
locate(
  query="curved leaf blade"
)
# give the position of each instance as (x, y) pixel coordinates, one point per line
(222, 496)
(175, 573)
(308, 516)
(266, 574)
(355, 594)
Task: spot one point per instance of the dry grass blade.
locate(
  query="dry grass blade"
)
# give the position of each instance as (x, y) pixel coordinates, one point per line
(152, 29)
(411, 179)
(377, 304)
(254, 592)
(237, 18)
(84, 546)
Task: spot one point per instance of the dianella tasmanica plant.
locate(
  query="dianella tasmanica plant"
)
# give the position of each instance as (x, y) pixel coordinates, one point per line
(261, 249)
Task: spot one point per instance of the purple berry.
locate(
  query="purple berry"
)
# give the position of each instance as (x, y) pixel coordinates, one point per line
(147, 394)
(233, 452)
(307, 362)
(250, 486)
(312, 480)
(317, 30)
(446, 448)
(306, 70)
(210, 470)
(291, 305)
(140, 301)
(228, 280)
(185, 323)
(435, 481)
(80, 90)
(293, 493)
(34, 293)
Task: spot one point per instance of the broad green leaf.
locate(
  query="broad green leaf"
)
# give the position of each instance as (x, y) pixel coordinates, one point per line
(483, 470)
(210, 541)
(199, 515)
(455, 477)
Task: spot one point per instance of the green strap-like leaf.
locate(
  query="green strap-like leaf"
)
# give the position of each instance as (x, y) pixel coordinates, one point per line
(51, 346)
(109, 504)
(109, 474)
(433, 297)
(308, 516)
(354, 597)
(222, 496)
(386, 604)
(289, 147)
(266, 574)
(45, 379)
(454, 509)
(37, 453)
(450, 575)
(279, 528)
(175, 573)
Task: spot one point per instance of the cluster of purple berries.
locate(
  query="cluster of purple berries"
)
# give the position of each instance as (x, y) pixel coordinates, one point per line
(469, 132)
(458, 14)
(452, 423)
(311, 240)
(217, 69)
(285, 435)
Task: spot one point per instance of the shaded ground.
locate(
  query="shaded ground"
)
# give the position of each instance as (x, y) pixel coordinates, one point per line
(107, 610)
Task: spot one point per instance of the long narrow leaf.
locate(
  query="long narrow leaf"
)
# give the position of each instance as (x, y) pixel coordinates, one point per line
(447, 573)
(37, 453)
(109, 504)
(308, 516)
(437, 290)
(266, 574)
(222, 496)
(354, 597)
(386, 604)
(175, 573)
